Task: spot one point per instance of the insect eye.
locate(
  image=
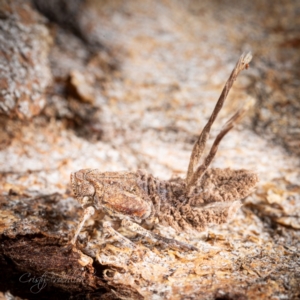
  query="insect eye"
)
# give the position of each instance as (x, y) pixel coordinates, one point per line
(79, 175)
(87, 190)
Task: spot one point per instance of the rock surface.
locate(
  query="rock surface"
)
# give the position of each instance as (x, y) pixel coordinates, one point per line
(24, 48)
(141, 102)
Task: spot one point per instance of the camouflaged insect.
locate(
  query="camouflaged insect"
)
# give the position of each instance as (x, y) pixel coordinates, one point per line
(138, 201)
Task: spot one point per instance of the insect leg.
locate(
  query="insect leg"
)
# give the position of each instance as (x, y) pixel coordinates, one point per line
(115, 235)
(199, 146)
(153, 236)
(209, 158)
(88, 212)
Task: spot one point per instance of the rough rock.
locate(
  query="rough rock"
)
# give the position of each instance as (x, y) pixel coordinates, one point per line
(24, 67)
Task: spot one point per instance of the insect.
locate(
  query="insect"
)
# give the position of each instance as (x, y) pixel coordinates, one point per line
(138, 201)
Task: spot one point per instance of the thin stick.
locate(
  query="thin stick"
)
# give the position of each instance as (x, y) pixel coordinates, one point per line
(201, 142)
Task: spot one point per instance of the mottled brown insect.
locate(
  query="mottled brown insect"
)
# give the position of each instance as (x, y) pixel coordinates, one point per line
(138, 201)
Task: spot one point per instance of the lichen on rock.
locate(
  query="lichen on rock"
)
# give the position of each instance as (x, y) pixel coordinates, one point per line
(24, 70)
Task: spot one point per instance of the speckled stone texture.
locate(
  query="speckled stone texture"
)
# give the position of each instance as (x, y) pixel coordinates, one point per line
(24, 67)
(141, 102)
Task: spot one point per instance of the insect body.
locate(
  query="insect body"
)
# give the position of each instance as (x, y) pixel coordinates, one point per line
(139, 201)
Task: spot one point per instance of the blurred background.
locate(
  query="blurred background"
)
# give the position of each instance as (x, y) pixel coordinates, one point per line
(126, 85)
